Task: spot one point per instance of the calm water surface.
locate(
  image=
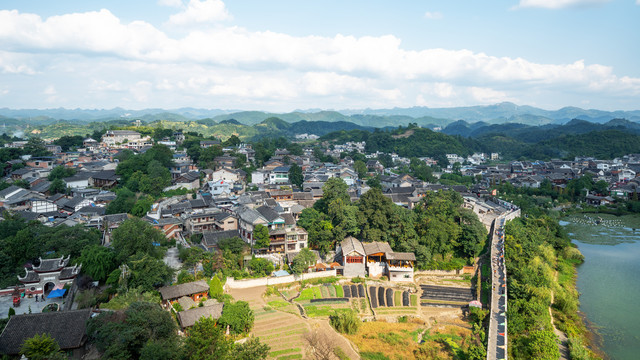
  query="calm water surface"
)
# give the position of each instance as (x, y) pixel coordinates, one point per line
(609, 279)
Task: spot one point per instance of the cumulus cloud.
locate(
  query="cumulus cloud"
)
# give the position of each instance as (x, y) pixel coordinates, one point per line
(170, 3)
(138, 62)
(204, 11)
(435, 15)
(559, 4)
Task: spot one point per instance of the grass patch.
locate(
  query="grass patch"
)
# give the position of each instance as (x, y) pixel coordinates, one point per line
(381, 340)
(285, 351)
(276, 304)
(392, 338)
(324, 290)
(290, 357)
(332, 291)
(323, 311)
(426, 301)
(306, 294)
(339, 291)
(397, 298)
(413, 299)
(340, 353)
(282, 335)
(368, 355)
(317, 293)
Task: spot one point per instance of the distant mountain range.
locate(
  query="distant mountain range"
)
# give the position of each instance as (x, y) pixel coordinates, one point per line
(423, 116)
(533, 134)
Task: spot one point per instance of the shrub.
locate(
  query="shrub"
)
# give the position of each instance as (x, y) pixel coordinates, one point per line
(177, 307)
(346, 322)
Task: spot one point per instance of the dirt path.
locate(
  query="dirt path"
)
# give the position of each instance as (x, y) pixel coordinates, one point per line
(563, 342)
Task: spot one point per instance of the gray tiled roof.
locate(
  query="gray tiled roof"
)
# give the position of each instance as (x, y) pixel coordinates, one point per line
(350, 244)
(268, 213)
(189, 317)
(211, 239)
(176, 291)
(377, 247)
(68, 328)
(401, 256)
(249, 215)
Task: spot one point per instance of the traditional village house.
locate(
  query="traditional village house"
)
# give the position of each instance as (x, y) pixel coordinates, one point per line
(211, 240)
(375, 259)
(196, 290)
(67, 328)
(188, 318)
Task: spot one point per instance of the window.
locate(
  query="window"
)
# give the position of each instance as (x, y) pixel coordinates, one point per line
(354, 259)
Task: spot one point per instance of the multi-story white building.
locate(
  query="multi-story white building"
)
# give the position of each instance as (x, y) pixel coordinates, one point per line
(118, 137)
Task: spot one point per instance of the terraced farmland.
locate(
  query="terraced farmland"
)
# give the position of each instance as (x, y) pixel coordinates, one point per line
(282, 331)
(433, 295)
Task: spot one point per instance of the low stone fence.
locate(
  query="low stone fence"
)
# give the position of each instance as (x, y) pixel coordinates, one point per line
(9, 291)
(458, 272)
(249, 283)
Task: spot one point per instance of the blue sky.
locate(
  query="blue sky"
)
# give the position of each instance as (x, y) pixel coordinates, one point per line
(286, 55)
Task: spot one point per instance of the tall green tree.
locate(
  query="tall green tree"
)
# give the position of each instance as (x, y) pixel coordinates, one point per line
(302, 261)
(41, 347)
(58, 187)
(206, 341)
(295, 175)
(61, 172)
(361, 168)
(375, 212)
(344, 218)
(126, 334)
(251, 349)
(148, 273)
(238, 316)
(334, 188)
(98, 261)
(261, 237)
(135, 236)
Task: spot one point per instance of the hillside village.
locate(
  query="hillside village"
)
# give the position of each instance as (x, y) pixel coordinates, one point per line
(205, 208)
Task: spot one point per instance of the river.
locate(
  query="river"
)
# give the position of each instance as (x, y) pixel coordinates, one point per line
(608, 280)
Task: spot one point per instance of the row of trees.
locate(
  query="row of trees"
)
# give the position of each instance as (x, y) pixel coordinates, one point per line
(438, 230)
(535, 247)
(145, 331)
(23, 242)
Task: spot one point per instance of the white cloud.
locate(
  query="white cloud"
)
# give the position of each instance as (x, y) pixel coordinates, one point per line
(485, 95)
(103, 59)
(435, 15)
(50, 90)
(141, 91)
(14, 64)
(170, 3)
(559, 4)
(204, 11)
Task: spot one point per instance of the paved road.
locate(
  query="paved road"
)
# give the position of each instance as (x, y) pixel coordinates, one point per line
(497, 341)
(171, 258)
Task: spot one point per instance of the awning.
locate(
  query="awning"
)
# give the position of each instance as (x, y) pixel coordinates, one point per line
(280, 273)
(57, 293)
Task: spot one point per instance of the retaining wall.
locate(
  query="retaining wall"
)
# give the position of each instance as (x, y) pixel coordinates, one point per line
(249, 283)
